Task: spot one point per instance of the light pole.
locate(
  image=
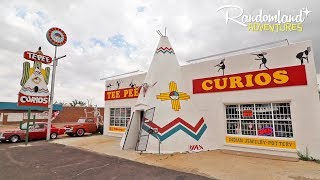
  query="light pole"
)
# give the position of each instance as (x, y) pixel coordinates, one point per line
(55, 61)
(56, 37)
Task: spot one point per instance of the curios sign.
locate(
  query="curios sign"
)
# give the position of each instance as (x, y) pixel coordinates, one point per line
(32, 56)
(271, 78)
(34, 90)
(30, 100)
(56, 36)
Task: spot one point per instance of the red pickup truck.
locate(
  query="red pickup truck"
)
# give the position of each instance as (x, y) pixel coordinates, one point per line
(84, 125)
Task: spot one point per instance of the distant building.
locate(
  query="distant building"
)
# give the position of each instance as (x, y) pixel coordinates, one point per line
(11, 113)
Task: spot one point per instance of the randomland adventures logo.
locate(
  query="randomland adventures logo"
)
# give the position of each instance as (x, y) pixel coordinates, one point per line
(262, 21)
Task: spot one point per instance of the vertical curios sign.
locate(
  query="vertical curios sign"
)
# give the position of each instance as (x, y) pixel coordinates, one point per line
(34, 91)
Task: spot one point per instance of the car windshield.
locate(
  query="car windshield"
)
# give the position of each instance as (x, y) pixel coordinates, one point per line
(85, 121)
(24, 126)
(81, 120)
(90, 120)
(35, 126)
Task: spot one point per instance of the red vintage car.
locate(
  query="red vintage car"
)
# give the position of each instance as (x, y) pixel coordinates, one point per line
(36, 131)
(84, 125)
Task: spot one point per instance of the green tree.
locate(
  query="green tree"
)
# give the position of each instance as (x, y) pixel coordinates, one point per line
(61, 103)
(89, 103)
(76, 102)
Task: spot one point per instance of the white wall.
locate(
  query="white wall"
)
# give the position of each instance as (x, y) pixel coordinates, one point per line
(304, 102)
(130, 139)
(304, 99)
(318, 81)
(138, 79)
(14, 117)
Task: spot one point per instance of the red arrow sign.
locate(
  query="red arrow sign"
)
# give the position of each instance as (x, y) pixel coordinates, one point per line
(37, 57)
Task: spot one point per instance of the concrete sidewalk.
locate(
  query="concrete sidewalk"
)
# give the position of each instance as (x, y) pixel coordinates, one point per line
(213, 164)
(49, 161)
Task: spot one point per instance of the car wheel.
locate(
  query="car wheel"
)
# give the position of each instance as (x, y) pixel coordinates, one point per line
(70, 134)
(14, 139)
(53, 135)
(80, 132)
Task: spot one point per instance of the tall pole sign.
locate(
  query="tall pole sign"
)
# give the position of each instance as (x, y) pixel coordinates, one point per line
(56, 37)
(34, 81)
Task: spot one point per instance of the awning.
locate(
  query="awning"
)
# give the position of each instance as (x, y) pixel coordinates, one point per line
(14, 106)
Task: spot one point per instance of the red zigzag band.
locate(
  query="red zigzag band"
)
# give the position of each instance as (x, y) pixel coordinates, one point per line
(165, 48)
(176, 121)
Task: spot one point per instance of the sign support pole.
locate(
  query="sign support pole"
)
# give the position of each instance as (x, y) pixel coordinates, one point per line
(52, 93)
(159, 142)
(56, 37)
(27, 130)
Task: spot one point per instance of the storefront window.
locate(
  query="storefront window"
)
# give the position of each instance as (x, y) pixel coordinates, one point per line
(269, 119)
(120, 116)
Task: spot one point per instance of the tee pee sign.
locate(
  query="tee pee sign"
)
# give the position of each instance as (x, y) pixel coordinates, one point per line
(34, 91)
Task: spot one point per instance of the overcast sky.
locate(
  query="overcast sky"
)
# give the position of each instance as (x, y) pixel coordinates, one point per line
(106, 38)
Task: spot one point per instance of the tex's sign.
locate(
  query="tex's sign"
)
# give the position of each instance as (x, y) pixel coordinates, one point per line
(121, 94)
(37, 57)
(279, 77)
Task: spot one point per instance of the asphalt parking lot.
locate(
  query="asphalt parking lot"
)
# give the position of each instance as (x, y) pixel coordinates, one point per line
(44, 160)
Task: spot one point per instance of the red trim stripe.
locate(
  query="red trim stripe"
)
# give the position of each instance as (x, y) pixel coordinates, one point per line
(177, 121)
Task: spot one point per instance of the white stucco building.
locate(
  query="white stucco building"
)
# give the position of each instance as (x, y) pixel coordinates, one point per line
(263, 102)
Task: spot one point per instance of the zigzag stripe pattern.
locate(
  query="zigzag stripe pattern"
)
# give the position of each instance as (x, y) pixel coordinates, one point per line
(174, 122)
(164, 50)
(32, 90)
(163, 133)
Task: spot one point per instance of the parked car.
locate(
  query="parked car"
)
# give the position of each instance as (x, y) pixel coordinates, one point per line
(36, 131)
(84, 125)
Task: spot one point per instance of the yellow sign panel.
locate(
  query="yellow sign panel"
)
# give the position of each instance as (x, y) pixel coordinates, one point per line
(287, 144)
(117, 129)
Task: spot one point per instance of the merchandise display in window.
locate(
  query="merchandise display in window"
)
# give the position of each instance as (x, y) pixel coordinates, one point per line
(269, 119)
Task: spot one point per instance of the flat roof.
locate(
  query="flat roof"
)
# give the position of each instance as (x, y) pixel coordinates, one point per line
(14, 106)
